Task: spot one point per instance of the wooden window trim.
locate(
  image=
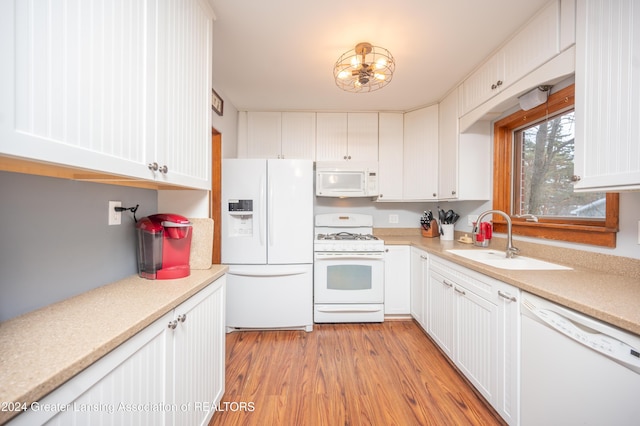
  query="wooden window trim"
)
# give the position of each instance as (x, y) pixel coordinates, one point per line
(593, 232)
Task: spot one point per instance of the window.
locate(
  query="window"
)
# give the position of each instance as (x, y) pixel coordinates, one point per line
(533, 167)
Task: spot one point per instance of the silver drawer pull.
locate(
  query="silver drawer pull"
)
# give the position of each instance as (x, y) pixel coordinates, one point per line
(447, 283)
(173, 324)
(459, 291)
(182, 318)
(507, 296)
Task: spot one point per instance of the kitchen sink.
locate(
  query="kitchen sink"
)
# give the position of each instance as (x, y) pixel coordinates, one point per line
(497, 259)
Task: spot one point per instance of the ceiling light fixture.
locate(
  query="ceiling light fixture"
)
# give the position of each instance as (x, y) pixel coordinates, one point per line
(364, 69)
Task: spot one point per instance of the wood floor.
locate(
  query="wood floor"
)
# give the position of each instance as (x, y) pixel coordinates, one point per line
(345, 374)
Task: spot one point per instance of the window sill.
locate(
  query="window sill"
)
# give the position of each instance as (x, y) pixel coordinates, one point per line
(583, 234)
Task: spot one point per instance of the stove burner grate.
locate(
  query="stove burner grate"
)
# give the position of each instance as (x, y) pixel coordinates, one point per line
(346, 236)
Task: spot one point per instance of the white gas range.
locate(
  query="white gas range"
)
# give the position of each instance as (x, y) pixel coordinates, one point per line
(348, 269)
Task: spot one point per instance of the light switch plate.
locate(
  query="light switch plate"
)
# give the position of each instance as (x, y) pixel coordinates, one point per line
(393, 218)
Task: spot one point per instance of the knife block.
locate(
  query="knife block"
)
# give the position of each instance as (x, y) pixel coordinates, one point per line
(433, 231)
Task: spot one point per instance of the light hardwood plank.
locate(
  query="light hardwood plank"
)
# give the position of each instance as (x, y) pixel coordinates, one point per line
(346, 374)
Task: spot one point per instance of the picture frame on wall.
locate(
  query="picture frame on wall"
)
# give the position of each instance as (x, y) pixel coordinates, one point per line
(217, 104)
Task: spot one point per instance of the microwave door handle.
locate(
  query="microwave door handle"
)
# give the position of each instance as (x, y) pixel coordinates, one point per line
(262, 220)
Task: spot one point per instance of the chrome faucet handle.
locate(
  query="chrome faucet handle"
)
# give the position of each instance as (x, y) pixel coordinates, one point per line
(512, 252)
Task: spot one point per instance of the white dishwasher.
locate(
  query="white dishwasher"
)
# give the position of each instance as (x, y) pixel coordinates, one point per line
(576, 370)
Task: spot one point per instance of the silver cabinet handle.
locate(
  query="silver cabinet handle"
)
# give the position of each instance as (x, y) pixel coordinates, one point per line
(507, 296)
(575, 178)
(499, 83)
(447, 283)
(153, 166)
(173, 324)
(423, 257)
(459, 291)
(182, 318)
(164, 169)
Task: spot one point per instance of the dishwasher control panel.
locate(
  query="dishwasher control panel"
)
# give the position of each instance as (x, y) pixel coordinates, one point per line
(584, 330)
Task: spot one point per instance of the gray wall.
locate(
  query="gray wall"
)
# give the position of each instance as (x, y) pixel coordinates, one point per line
(55, 241)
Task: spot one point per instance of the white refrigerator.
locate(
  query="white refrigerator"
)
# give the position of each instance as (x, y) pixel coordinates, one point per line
(267, 242)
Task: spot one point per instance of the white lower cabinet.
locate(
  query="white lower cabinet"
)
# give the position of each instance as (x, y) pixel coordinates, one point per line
(170, 373)
(397, 293)
(474, 320)
(419, 276)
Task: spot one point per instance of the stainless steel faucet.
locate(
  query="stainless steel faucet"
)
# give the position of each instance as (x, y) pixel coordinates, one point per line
(511, 251)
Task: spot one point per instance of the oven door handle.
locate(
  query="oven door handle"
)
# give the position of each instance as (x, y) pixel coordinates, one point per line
(355, 256)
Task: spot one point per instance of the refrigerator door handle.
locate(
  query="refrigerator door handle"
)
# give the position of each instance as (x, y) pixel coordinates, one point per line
(271, 208)
(271, 273)
(262, 223)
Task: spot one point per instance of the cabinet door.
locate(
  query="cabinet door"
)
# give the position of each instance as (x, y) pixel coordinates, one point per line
(476, 340)
(73, 84)
(440, 312)
(199, 353)
(112, 390)
(533, 45)
(607, 107)
(362, 136)
(420, 173)
(506, 402)
(419, 262)
(448, 147)
(180, 91)
(331, 136)
(298, 135)
(264, 134)
(483, 83)
(390, 153)
(397, 280)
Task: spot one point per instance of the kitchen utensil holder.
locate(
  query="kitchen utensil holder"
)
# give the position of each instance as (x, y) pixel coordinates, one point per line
(433, 230)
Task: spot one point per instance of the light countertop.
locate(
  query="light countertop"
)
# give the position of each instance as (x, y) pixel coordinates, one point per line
(591, 287)
(42, 349)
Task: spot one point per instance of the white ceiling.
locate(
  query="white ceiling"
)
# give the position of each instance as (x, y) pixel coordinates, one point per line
(279, 54)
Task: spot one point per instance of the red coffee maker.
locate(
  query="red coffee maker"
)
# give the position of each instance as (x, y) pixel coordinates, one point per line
(164, 246)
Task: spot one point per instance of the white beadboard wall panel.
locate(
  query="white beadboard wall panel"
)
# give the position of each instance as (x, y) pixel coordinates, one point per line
(77, 63)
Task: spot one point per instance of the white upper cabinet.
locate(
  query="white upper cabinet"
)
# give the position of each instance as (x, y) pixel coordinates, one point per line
(264, 135)
(277, 135)
(607, 108)
(109, 87)
(179, 91)
(448, 147)
(536, 43)
(342, 136)
(420, 172)
(299, 135)
(464, 159)
(390, 152)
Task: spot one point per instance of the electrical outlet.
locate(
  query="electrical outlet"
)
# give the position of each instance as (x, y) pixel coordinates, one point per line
(115, 218)
(393, 218)
(472, 218)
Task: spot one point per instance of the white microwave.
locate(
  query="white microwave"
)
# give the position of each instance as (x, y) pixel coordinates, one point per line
(347, 179)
